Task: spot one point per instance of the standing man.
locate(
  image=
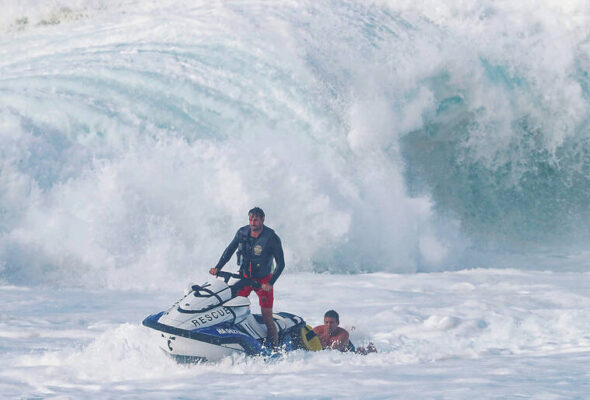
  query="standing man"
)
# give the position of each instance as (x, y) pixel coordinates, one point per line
(257, 245)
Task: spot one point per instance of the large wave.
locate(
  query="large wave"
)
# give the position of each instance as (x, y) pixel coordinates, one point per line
(376, 135)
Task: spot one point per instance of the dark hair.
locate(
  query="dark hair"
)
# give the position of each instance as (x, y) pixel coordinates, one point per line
(257, 211)
(332, 314)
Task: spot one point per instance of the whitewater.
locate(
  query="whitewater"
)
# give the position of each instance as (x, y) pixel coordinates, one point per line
(426, 165)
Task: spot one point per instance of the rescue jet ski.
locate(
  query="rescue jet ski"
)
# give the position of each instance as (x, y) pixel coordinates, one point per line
(211, 322)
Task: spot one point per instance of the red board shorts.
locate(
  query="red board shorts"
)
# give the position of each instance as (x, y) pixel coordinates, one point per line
(265, 299)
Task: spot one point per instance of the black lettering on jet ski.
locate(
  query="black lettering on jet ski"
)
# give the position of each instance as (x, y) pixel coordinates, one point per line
(170, 339)
(203, 319)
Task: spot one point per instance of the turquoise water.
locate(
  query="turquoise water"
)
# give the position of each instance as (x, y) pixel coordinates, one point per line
(376, 136)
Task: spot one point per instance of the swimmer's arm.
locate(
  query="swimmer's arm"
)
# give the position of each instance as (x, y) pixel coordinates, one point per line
(340, 342)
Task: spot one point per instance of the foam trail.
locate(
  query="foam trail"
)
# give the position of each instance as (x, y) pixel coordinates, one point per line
(499, 330)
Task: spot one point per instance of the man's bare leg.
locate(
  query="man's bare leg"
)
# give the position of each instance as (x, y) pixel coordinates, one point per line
(270, 326)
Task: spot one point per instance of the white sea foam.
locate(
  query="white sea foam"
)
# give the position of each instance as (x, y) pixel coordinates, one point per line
(375, 135)
(509, 329)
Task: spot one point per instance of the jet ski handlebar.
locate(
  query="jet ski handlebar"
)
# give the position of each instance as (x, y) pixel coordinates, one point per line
(243, 280)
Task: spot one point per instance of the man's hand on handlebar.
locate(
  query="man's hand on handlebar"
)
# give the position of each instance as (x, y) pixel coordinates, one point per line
(244, 281)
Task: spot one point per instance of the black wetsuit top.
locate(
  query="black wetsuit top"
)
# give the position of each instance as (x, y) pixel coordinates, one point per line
(256, 254)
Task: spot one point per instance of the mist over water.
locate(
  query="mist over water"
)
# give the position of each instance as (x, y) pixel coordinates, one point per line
(377, 136)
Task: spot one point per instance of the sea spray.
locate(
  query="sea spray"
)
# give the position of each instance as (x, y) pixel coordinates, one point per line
(377, 136)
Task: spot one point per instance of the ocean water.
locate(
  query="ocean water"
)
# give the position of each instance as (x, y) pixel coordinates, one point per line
(452, 335)
(426, 164)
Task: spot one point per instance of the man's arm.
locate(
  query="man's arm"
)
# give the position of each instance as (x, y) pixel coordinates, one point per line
(229, 251)
(320, 332)
(279, 258)
(340, 341)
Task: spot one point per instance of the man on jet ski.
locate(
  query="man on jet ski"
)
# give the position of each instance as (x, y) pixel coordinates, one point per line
(257, 245)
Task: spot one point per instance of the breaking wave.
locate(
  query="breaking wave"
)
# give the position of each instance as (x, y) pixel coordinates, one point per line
(377, 136)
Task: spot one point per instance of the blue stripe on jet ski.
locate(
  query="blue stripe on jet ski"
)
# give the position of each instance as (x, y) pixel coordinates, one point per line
(245, 342)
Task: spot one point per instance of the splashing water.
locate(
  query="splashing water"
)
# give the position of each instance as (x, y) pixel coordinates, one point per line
(377, 136)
